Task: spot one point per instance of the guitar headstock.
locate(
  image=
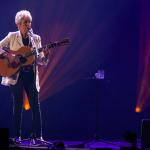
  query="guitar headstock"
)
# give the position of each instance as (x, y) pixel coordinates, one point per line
(65, 41)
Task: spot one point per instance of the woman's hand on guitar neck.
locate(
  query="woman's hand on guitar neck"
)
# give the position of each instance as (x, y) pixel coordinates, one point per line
(46, 52)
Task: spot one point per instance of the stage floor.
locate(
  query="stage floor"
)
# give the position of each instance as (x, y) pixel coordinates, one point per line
(78, 145)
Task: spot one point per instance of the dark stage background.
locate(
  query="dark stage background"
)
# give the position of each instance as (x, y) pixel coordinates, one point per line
(104, 35)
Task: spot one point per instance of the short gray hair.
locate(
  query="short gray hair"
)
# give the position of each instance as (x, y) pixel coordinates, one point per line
(21, 14)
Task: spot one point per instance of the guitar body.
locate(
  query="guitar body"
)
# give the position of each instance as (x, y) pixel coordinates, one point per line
(8, 68)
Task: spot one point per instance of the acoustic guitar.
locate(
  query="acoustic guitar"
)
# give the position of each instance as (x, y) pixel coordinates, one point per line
(12, 61)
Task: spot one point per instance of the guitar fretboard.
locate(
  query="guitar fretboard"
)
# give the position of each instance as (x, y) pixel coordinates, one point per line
(49, 46)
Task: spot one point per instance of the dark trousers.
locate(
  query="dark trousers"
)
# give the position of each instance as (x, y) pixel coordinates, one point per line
(26, 81)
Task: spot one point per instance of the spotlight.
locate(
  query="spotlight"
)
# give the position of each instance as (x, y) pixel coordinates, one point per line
(137, 109)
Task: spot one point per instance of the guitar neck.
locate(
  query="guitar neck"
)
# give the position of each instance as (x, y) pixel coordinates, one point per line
(48, 46)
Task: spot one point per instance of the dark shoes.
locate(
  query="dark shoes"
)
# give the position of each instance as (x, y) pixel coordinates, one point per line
(31, 141)
(35, 141)
(17, 141)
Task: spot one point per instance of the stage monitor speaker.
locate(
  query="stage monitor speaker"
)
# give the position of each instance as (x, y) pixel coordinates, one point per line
(4, 138)
(145, 133)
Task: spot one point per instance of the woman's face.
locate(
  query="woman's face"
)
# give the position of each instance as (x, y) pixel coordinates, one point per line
(24, 25)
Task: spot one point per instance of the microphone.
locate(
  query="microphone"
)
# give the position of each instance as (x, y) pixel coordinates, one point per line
(30, 32)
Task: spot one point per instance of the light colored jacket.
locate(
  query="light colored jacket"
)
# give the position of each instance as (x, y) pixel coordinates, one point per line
(14, 41)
